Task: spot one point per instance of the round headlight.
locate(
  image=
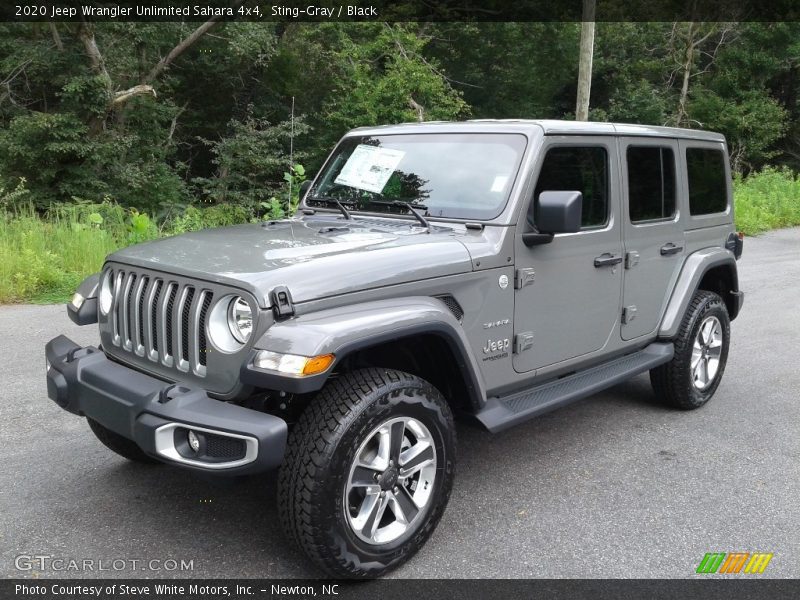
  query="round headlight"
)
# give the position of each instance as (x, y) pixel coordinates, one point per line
(240, 319)
(106, 292)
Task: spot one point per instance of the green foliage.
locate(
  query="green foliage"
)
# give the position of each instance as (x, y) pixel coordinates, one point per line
(767, 200)
(385, 77)
(250, 162)
(42, 258)
(752, 123)
(194, 218)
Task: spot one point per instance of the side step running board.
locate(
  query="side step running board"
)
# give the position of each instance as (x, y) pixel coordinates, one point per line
(507, 411)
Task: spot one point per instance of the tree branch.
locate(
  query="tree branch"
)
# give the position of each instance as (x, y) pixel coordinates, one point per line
(416, 106)
(184, 45)
(56, 37)
(137, 90)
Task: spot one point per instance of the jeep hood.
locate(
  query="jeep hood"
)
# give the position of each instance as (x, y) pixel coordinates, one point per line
(315, 257)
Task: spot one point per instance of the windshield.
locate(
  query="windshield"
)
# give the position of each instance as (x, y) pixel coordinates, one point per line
(456, 175)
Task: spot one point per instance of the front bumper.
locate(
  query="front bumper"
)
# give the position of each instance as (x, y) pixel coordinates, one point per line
(157, 415)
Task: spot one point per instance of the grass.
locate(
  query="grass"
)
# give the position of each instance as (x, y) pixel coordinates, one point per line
(43, 258)
(767, 200)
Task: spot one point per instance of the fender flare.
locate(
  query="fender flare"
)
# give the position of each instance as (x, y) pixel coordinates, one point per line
(341, 331)
(694, 268)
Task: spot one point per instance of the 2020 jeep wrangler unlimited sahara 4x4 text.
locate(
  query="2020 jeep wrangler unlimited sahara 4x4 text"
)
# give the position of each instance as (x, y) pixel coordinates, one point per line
(495, 269)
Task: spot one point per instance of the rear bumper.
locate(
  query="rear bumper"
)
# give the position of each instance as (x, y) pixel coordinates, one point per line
(158, 415)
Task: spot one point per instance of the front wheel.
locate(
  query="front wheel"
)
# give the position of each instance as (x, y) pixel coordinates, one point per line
(690, 379)
(368, 472)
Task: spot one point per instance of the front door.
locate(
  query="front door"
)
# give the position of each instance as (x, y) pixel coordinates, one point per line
(567, 299)
(653, 235)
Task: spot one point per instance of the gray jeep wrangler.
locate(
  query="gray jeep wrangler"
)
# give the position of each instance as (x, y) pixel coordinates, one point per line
(490, 269)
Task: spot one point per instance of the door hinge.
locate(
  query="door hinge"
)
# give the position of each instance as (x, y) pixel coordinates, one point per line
(523, 341)
(523, 277)
(281, 299)
(631, 259)
(628, 314)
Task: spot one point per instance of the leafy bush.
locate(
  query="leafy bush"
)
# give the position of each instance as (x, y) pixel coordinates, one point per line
(44, 259)
(767, 200)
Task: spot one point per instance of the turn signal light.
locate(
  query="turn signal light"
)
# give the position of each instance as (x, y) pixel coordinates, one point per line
(317, 364)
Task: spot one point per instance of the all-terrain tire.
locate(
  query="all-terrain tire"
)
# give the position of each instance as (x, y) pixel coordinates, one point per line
(121, 445)
(674, 383)
(322, 449)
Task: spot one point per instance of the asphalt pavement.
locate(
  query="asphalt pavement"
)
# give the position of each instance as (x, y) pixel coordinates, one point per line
(613, 486)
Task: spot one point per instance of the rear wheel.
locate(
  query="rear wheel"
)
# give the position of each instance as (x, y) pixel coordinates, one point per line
(690, 379)
(121, 445)
(368, 472)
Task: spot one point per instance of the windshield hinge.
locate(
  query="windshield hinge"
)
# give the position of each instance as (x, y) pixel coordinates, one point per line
(281, 299)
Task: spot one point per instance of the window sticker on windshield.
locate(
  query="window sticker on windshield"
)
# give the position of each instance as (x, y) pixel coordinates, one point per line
(369, 168)
(499, 183)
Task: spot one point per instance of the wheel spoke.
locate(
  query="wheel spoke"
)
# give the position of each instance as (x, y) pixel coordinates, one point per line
(381, 460)
(405, 509)
(396, 441)
(715, 351)
(697, 355)
(363, 476)
(415, 458)
(709, 333)
(374, 515)
(712, 365)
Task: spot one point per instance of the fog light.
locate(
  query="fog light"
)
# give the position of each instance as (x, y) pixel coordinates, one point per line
(291, 363)
(77, 300)
(194, 441)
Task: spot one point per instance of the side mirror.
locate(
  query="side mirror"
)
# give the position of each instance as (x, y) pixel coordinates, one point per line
(557, 212)
(304, 187)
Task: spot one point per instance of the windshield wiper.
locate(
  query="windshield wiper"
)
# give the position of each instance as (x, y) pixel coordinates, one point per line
(412, 208)
(337, 202)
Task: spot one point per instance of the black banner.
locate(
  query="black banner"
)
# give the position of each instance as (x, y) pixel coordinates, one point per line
(400, 10)
(732, 588)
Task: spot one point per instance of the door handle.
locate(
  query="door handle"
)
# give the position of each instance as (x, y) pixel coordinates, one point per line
(670, 248)
(607, 260)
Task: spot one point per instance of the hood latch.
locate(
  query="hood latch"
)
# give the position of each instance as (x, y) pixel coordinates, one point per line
(281, 299)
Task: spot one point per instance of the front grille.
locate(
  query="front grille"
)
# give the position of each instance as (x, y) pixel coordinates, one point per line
(161, 320)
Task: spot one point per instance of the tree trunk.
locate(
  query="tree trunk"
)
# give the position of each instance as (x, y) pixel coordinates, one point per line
(682, 116)
(585, 61)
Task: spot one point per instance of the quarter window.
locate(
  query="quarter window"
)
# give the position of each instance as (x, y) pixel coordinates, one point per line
(578, 168)
(708, 189)
(651, 183)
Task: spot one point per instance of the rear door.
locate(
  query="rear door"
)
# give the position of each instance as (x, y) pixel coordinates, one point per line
(653, 231)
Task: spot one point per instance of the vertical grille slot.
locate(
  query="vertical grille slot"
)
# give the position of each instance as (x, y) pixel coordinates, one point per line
(185, 320)
(153, 318)
(139, 316)
(170, 306)
(201, 333)
(116, 330)
(125, 310)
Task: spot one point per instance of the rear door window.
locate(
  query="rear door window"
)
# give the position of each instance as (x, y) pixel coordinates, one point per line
(651, 183)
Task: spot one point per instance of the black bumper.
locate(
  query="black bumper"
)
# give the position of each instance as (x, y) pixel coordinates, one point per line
(155, 414)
